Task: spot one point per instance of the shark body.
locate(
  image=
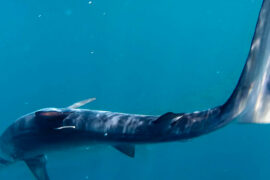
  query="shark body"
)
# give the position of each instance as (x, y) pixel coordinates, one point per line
(32, 136)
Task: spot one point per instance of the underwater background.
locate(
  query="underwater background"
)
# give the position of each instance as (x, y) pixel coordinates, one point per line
(134, 56)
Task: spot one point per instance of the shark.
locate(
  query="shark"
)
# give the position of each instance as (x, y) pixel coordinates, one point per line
(34, 135)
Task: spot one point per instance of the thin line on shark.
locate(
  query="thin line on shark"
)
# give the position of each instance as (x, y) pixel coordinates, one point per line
(32, 136)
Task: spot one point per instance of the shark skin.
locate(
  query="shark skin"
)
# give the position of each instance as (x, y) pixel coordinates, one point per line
(34, 135)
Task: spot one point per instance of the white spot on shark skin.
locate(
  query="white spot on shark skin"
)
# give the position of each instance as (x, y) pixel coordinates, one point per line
(177, 118)
(105, 134)
(112, 121)
(140, 123)
(256, 44)
(128, 127)
(90, 2)
(98, 116)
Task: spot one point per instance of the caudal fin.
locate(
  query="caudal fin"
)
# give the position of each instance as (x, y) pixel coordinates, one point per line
(250, 101)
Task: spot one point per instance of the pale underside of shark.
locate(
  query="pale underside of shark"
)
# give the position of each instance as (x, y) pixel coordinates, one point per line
(34, 135)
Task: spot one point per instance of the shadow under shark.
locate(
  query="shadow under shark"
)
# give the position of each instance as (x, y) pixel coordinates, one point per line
(33, 135)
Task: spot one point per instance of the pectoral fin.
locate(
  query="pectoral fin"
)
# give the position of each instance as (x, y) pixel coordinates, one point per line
(127, 149)
(81, 103)
(37, 165)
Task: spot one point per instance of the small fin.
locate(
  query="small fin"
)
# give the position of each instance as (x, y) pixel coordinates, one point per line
(37, 165)
(81, 103)
(166, 118)
(127, 149)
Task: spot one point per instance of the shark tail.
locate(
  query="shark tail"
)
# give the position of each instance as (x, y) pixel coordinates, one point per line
(250, 101)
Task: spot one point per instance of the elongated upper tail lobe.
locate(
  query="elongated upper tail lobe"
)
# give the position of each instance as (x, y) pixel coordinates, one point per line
(250, 102)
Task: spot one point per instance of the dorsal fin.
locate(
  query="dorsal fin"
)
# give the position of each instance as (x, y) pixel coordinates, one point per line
(81, 103)
(166, 118)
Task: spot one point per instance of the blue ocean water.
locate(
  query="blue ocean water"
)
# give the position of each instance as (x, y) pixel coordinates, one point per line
(134, 56)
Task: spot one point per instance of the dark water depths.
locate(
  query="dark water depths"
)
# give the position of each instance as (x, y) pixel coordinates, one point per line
(135, 56)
